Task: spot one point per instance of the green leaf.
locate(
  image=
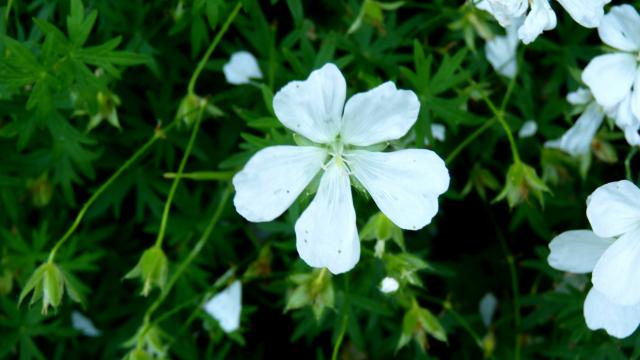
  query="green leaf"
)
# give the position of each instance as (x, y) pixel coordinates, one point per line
(35, 279)
(79, 27)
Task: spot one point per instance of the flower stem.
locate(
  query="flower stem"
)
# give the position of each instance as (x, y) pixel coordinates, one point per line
(345, 320)
(176, 180)
(469, 140)
(186, 262)
(159, 133)
(214, 44)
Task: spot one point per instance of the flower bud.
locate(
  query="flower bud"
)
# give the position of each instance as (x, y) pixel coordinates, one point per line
(189, 109)
(48, 284)
(314, 289)
(522, 181)
(381, 229)
(107, 110)
(152, 269)
(417, 323)
(41, 191)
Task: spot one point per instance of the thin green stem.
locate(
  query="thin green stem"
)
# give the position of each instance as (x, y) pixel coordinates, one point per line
(499, 114)
(176, 180)
(203, 175)
(7, 12)
(469, 140)
(345, 320)
(157, 135)
(186, 262)
(212, 47)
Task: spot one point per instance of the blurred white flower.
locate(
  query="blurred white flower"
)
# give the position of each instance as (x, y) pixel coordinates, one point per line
(226, 307)
(84, 324)
(528, 129)
(389, 285)
(404, 184)
(241, 68)
(577, 140)
(541, 16)
(501, 52)
(614, 78)
(487, 308)
(612, 253)
(438, 131)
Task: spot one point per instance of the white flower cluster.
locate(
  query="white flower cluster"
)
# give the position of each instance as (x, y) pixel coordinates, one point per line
(611, 252)
(532, 17)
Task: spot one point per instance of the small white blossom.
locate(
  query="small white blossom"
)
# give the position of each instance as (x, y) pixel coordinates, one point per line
(226, 307)
(614, 78)
(404, 184)
(528, 129)
(241, 68)
(611, 253)
(501, 52)
(389, 285)
(84, 325)
(487, 308)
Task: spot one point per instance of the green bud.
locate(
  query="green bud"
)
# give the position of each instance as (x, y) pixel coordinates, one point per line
(261, 267)
(481, 179)
(189, 109)
(48, 284)
(313, 289)
(405, 267)
(152, 269)
(107, 110)
(41, 191)
(604, 151)
(149, 343)
(380, 228)
(522, 181)
(417, 323)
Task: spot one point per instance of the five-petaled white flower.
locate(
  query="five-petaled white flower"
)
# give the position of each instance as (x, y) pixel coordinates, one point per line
(241, 68)
(614, 79)
(501, 52)
(226, 307)
(541, 16)
(404, 184)
(612, 253)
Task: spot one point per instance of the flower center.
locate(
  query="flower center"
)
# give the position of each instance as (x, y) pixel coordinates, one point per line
(336, 151)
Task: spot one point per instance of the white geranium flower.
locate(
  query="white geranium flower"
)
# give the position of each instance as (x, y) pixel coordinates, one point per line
(541, 16)
(84, 324)
(501, 52)
(404, 184)
(614, 79)
(389, 285)
(241, 68)
(612, 253)
(226, 307)
(577, 140)
(528, 129)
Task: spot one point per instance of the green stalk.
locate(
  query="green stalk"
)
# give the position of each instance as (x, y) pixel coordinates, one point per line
(157, 135)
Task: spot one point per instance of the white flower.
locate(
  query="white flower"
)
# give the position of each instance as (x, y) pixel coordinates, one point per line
(612, 253)
(528, 129)
(614, 78)
(541, 16)
(501, 52)
(438, 131)
(241, 68)
(577, 140)
(404, 184)
(389, 285)
(487, 308)
(226, 307)
(83, 324)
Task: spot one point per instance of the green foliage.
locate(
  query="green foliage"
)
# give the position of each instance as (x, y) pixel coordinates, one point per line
(98, 92)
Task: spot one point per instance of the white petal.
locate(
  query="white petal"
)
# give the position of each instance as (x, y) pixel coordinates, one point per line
(587, 13)
(618, 321)
(614, 208)
(577, 140)
(487, 307)
(617, 271)
(528, 129)
(438, 131)
(326, 233)
(84, 325)
(540, 18)
(577, 251)
(610, 77)
(506, 11)
(273, 178)
(635, 95)
(380, 114)
(241, 68)
(581, 96)
(624, 115)
(389, 285)
(404, 184)
(226, 307)
(501, 53)
(620, 28)
(313, 108)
